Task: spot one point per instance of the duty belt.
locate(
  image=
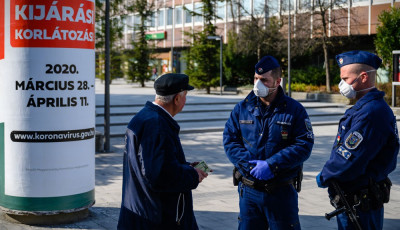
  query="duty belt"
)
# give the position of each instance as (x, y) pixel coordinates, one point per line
(262, 185)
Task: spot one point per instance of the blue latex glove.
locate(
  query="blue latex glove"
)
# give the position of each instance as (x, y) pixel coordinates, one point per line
(319, 182)
(261, 171)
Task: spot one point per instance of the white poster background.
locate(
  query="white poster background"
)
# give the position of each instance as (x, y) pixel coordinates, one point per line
(46, 169)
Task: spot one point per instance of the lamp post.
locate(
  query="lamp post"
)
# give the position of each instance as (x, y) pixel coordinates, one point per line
(172, 39)
(220, 59)
(107, 80)
(289, 93)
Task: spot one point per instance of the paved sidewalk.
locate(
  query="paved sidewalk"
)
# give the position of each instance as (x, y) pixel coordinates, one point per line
(216, 200)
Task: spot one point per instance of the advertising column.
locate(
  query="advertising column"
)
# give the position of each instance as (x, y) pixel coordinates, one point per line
(47, 106)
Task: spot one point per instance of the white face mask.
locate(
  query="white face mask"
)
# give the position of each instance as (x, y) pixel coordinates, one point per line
(348, 91)
(260, 90)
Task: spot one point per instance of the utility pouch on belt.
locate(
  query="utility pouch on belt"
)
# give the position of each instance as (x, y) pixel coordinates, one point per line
(298, 180)
(363, 200)
(236, 176)
(385, 186)
(380, 192)
(375, 195)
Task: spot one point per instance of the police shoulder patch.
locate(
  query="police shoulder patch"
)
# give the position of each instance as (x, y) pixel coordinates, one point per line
(343, 152)
(308, 124)
(353, 140)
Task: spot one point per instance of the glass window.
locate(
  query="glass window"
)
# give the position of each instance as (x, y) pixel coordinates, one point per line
(170, 13)
(129, 22)
(198, 9)
(292, 5)
(285, 5)
(245, 7)
(152, 21)
(232, 9)
(355, 1)
(258, 6)
(160, 18)
(178, 15)
(137, 20)
(273, 7)
(188, 16)
(122, 23)
(221, 10)
(322, 3)
(304, 4)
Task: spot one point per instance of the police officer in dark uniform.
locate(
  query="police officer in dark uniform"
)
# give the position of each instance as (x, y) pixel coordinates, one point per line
(157, 181)
(268, 137)
(366, 145)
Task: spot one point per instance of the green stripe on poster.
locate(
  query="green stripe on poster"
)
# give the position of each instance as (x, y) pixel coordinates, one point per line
(36, 204)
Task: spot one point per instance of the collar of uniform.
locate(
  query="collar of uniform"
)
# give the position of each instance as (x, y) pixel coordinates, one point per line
(163, 109)
(371, 95)
(279, 100)
(251, 104)
(163, 113)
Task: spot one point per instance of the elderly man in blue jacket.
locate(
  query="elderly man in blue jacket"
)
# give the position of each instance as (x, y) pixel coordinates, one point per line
(268, 137)
(366, 145)
(157, 180)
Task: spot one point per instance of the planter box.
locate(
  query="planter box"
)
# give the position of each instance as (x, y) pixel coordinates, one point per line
(322, 97)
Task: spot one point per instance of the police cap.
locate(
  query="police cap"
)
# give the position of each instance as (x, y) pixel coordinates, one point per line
(266, 64)
(358, 56)
(172, 83)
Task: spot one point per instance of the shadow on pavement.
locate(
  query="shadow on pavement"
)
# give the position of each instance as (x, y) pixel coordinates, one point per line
(207, 220)
(228, 220)
(107, 218)
(108, 167)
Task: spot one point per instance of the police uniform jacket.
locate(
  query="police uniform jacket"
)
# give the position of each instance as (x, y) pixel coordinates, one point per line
(366, 144)
(157, 180)
(282, 135)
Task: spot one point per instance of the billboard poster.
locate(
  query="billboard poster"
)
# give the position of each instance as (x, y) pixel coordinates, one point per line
(47, 104)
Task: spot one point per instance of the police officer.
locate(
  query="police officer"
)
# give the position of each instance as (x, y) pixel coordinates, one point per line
(268, 137)
(157, 181)
(366, 145)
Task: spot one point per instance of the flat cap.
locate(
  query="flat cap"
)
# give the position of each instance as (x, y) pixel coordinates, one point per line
(172, 83)
(358, 56)
(266, 64)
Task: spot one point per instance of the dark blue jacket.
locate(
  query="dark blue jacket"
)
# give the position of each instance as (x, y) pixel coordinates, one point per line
(156, 176)
(366, 144)
(282, 135)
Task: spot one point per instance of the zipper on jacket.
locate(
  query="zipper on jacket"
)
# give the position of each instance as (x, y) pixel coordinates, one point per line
(251, 146)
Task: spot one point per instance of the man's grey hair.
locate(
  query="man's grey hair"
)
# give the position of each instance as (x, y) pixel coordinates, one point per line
(168, 99)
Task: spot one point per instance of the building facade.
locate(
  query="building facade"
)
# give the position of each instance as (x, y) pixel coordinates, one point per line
(172, 20)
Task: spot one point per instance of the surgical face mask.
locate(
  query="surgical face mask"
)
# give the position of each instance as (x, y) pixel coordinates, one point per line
(260, 90)
(348, 91)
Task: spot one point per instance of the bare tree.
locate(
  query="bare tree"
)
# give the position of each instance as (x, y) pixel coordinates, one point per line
(317, 23)
(329, 18)
(259, 33)
(117, 14)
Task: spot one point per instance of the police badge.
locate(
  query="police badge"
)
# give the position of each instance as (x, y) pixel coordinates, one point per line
(353, 140)
(308, 125)
(310, 133)
(343, 152)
